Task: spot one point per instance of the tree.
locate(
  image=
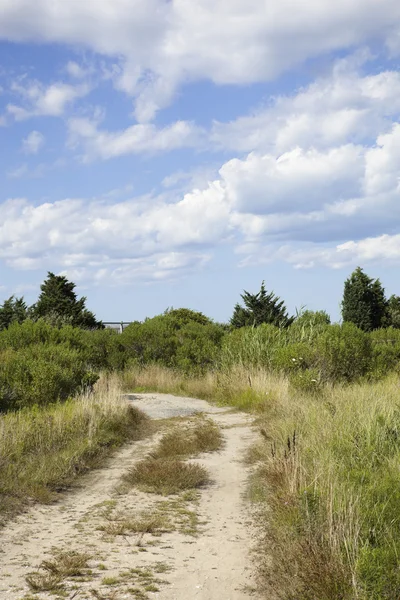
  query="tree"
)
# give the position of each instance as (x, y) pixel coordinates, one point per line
(394, 311)
(13, 310)
(58, 302)
(364, 302)
(260, 308)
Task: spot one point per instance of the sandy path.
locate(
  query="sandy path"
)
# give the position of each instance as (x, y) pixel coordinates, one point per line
(212, 565)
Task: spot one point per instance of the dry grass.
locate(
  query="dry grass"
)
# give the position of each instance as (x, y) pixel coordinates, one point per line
(166, 476)
(326, 486)
(120, 524)
(52, 573)
(42, 450)
(203, 435)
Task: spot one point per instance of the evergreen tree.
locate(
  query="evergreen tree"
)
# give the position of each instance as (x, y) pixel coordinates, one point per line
(394, 311)
(13, 310)
(58, 302)
(364, 302)
(260, 308)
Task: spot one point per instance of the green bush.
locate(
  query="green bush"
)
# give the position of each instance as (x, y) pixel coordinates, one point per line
(41, 374)
(385, 351)
(179, 338)
(252, 346)
(293, 358)
(343, 352)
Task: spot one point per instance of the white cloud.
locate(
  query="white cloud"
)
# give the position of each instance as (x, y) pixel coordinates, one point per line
(97, 143)
(33, 142)
(293, 181)
(327, 113)
(145, 237)
(317, 207)
(164, 44)
(77, 71)
(39, 100)
(384, 248)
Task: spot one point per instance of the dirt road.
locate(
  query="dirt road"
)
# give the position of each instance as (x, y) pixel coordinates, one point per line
(203, 553)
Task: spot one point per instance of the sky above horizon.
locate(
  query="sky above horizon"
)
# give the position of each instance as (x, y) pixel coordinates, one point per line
(175, 152)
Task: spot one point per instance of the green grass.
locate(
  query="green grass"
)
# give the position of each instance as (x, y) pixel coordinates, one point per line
(166, 476)
(202, 435)
(326, 486)
(43, 450)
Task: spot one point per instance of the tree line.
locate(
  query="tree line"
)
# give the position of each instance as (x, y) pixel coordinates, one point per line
(364, 304)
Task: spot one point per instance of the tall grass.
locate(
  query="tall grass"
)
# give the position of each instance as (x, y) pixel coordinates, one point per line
(43, 449)
(327, 481)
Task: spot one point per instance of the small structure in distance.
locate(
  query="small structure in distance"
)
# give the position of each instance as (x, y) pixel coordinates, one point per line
(117, 325)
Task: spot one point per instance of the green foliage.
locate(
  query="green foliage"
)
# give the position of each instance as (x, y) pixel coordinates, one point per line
(179, 338)
(260, 308)
(13, 310)
(292, 358)
(41, 374)
(249, 346)
(343, 353)
(364, 302)
(58, 303)
(394, 311)
(385, 351)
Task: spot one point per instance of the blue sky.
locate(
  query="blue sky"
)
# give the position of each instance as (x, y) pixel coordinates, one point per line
(173, 153)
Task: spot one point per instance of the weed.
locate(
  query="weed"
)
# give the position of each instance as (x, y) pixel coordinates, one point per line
(145, 523)
(163, 476)
(110, 581)
(67, 564)
(43, 582)
(42, 450)
(203, 436)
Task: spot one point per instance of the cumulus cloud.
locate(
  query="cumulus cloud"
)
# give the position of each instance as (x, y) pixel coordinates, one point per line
(329, 112)
(333, 208)
(380, 248)
(102, 144)
(39, 100)
(163, 44)
(150, 238)
(33, 142)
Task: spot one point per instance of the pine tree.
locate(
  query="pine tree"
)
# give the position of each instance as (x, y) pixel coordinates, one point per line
(394, 311)
(13, 310)
(58, 301)
(260, 308)
(364, 302)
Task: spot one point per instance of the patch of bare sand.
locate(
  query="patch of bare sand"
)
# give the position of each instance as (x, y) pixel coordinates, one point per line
(203, 554)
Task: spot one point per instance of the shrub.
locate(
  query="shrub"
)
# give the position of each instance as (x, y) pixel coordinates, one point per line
(174, 339)
(385, 351)
(41, 374)
(343, 353)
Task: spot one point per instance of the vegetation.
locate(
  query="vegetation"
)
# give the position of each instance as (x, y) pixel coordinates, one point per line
(59, 303)
(43, 449)
(202, 436)
(364, 302)
(166, 476)
(260, 308)
(325, 397)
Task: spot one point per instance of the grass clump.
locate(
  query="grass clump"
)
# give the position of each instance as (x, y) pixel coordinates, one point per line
(52, 573)
(203, 436)
(153, 523)
(166, 476)
(67, 564)
(44, 582)
(43, 450)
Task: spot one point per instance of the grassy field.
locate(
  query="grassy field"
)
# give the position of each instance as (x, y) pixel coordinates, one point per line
(326, 484)
(43, 449)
